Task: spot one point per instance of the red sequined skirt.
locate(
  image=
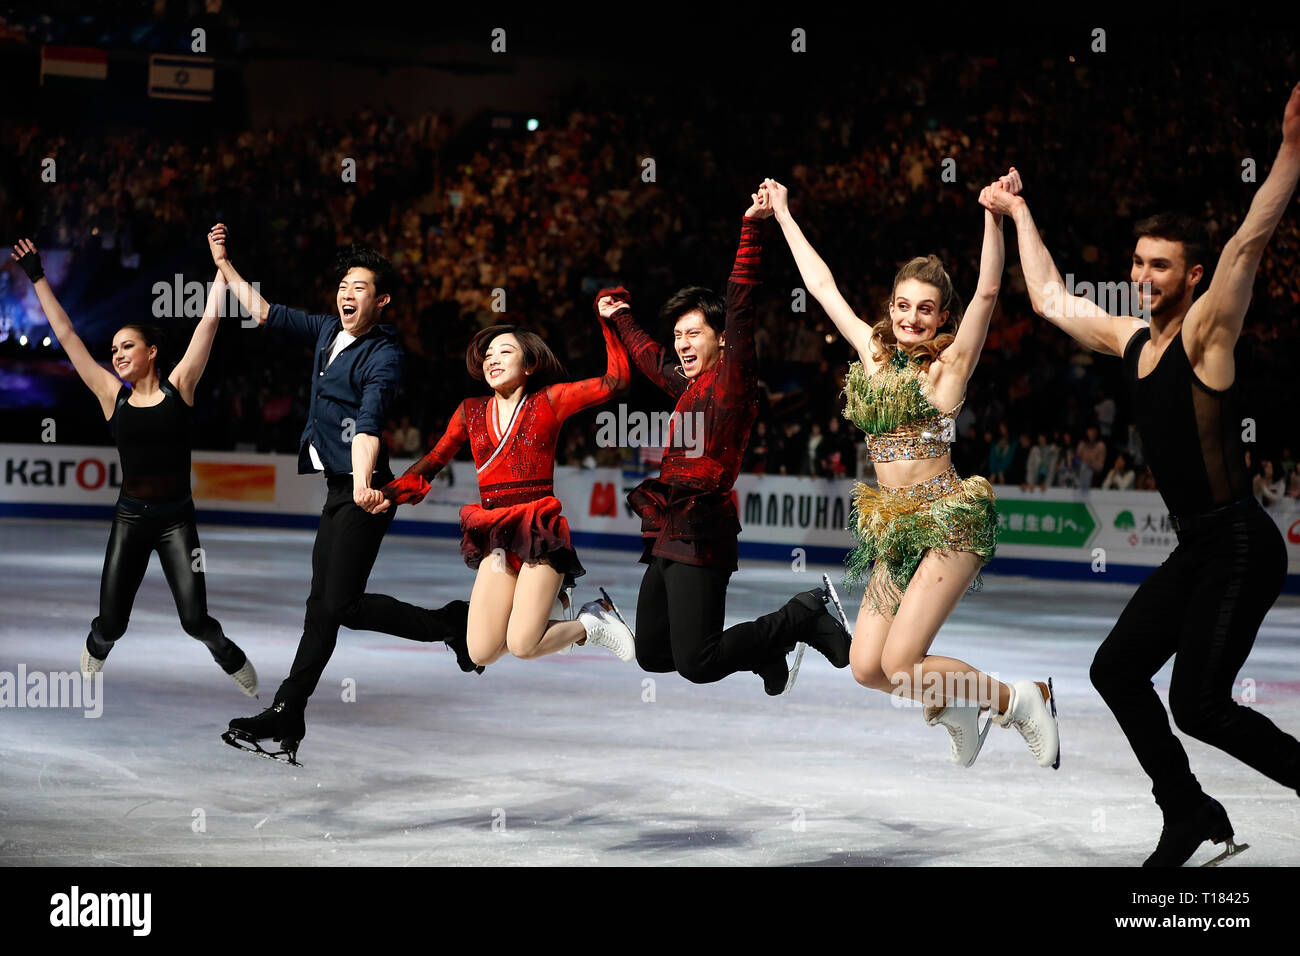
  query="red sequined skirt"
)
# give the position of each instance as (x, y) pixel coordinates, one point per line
(525, 533)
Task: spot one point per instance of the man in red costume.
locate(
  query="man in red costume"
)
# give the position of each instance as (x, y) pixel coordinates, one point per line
(689, 520)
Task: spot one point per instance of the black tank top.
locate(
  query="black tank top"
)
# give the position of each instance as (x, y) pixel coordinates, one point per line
(1191, 433)
(154, 445)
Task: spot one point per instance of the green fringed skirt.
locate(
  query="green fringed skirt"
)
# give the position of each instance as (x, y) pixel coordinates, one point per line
(894, 527)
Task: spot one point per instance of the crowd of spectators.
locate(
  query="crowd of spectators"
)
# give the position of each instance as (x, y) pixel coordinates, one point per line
(486, 226)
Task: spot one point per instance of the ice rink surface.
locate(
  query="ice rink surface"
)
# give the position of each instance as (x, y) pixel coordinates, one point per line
(573, 759)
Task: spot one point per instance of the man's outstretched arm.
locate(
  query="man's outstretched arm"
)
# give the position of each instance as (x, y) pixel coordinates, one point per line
(1215, 320)
(1083, 320)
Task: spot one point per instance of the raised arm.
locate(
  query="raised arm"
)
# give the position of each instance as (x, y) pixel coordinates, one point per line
(816, 275)
(569, 398)
(1085, 321)
(1214, 321)
(740, 361)
(98, 379)
(248, 296)
(185, 376)
(964, 353)
(413, 484)
(650, 357)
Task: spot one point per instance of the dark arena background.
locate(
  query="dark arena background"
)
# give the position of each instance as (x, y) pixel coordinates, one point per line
(510, 165)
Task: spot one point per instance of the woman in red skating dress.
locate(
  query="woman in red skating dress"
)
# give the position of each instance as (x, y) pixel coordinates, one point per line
(518, 525)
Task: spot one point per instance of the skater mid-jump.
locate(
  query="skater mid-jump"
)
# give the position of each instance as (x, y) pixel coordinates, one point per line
(355, 373)
(516, 538)
(924, 534)
(150, 418)
(688, 514)
(1203, 606)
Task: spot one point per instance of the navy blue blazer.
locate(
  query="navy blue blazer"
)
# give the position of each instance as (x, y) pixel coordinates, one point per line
(350, 397)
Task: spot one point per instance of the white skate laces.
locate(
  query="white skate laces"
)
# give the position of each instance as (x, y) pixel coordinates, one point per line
(962, 721)
(606, 628)
(246, 678)
(90, 664)
(1030, 714)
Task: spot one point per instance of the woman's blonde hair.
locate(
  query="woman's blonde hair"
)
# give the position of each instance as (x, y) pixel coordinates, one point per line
(930, 270)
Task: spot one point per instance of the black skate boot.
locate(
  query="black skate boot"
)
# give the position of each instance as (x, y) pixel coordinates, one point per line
(458, 642)
(281, 722)
(779, 675)
(1180, 836)
(826, 634)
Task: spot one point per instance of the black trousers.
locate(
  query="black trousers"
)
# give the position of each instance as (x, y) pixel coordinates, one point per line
(1203, 606)
(679, 615)
(347, 544)
(171, 532)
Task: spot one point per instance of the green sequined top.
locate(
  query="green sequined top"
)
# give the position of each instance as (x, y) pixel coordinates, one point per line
(892, 408)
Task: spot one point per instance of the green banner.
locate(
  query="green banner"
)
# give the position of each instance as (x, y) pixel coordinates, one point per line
(1064, 524)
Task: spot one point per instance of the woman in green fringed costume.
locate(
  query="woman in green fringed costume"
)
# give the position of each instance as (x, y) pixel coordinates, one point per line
(924, 534)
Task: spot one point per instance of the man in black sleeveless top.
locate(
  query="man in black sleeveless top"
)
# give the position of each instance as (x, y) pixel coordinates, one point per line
(1205, 603)
(355, 375)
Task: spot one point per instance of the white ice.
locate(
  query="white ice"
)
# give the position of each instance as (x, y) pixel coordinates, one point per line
(563, 761)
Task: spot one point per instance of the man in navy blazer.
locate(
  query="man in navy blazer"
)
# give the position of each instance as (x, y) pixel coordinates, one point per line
(356, 370)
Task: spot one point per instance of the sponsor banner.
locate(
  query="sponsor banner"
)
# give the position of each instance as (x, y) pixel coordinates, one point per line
(778, 513)
(233, 481)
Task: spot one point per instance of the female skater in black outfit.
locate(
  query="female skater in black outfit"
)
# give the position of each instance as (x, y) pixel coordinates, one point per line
(150, 422)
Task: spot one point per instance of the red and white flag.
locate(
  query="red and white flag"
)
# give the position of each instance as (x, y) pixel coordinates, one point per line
(79, 62)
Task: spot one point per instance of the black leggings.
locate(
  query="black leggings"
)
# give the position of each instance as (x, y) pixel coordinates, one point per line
(346, 547)
(1204, 606)
(176, 539)
(679, 615)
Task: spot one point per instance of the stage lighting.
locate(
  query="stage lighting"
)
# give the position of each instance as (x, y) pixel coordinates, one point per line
(532, 125)
(22, 340)
(46, 341)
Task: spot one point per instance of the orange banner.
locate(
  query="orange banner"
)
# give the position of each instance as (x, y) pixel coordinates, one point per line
(231, 482)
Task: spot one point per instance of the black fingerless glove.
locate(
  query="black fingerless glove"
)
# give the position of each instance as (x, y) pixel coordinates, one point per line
(31, 263)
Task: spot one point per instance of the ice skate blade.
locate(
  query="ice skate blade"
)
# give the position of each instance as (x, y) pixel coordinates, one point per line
(794, 668)
(1230, 850)
(984, 732)
(247, 744)
(835, 600)
(1051, 700)
(613, 609)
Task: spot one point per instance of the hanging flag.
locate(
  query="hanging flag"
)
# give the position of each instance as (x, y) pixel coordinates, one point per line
(77, 62)
(181, 77)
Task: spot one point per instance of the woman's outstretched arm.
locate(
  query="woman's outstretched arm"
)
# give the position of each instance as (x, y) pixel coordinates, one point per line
(185, 376)
(569, 398)
(816, 274)
(98, 379)
(964, 353)
(412, 485)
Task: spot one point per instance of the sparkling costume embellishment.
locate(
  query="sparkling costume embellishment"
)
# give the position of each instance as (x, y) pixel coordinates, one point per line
(896, 526)
(895, 412)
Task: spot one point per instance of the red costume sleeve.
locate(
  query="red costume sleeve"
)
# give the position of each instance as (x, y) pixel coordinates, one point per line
(569, 398)
(739, 370)
(651, 358)
(413, 484)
